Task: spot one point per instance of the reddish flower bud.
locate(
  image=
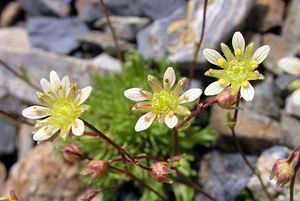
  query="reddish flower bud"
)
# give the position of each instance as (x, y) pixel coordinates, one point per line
(160, 172)
(72, 152)
(282, 171)
(96, 169)
(225, 99)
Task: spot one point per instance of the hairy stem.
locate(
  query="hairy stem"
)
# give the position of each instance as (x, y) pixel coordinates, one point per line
(122, 151)
(240, 150)
(198, 45)
(113, 33)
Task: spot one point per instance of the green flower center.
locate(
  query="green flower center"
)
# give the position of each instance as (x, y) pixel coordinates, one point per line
(164, 102)
(64, 112)
(238, 71)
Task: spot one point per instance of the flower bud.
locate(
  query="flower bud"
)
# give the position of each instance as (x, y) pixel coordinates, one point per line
(160, 171)
(72, 152)
(225, 99)
(96, 168)
(282, 171)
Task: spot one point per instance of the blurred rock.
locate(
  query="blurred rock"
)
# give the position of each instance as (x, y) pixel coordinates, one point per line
(290, 127)
(289, 30)
(256, 132)
(89, 11)
(279, 48)
(14, 39)
(125, 27)
(283, 81)
(2, 175)
(55, 35)
(25, 142)
(224, 175)
(264, 101)
(10, 104)
(43, 176)
(108, 63)
(38, 64)
(10, 14)
(102, 41)
(58, 8)
(266, 14)
(175, 35)
(7, 135)
(291, 108)
(86, 193)
(264, 165)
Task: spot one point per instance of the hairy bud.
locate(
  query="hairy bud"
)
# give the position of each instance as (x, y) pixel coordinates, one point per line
(96, 168)
(160, 172)
(72, 152)
(225, 99)
(282, 171)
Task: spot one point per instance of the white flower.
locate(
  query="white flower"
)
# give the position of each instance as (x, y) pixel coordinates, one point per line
(290, 65)
(63, 107)
(164, 103)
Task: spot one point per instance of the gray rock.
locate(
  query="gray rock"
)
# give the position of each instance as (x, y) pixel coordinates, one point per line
(290, 127)
(108, 63)
(289, 30)
(264, 166)
(291, 108)
(14, 39)
(284, 80)
(166, 38)
(224, 175)
(255, 131)
(7, 136)
(103, 41)
(55, 35)
(58, 8)
(125, 27)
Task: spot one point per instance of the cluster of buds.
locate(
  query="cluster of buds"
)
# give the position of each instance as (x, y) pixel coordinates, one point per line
(285, 169)
(160, 171)
(96, 169)
(12, 197)
(72, 153)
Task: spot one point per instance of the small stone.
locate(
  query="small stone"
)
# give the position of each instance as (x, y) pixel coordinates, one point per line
(266, 14)
(7, 136)
(104, 41)
(125, 27)
(255, 132)
(224, 175)
(43, 176)
(57, 8)
(289, 131)
(89, 11)
(279, 49)
(264, 166)
(10, 14)
(14, 39)
(289, 29)
(108, 63)
(55, 35)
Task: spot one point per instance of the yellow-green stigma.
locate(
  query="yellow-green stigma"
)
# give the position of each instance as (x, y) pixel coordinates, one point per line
(64, 112)
(164, 102)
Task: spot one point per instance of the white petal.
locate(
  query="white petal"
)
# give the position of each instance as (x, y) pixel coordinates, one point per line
(238, 41)
(290, 65)
(54, 79)
(78, 127)
(35, 112)
(169, 77)
(213, 89)
(212, 56)
(65, 82)
(171, 120)
(46, 86)
(190, 95)
(247, 92)
(45, 133)
(296, 97)
(261, 53)
(144, 122)
(137, 94)
(83, 94)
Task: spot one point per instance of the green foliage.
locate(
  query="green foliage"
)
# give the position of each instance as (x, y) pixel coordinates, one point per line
(111, 113)
(245, 196)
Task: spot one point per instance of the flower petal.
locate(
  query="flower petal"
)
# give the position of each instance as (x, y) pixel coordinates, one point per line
(169, 78)
(296, 97)
(212, 56)
(290, 65)
(54, 79)
(65, 82)
(238, 42)
(261, 53)
(35, 112)
(214, 88)
(190, 95)
(78, 127)
(137, 94)
(182, 110)
(46, 86)
(247, 92)
(171, 120)
(144, 121)
(83, 94)
(45, 133)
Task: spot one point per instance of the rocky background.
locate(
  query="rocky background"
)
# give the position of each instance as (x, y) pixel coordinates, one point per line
(72, 37)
